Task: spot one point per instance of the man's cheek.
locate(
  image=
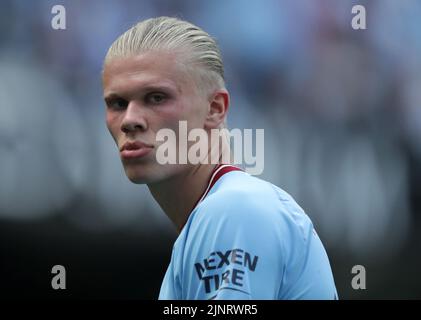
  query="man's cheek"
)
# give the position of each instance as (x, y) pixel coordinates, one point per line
(113, 132)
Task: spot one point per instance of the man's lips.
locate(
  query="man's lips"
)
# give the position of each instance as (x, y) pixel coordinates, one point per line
(136, 149)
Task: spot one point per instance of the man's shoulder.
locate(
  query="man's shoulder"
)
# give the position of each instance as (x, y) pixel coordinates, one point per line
(240, 197)
(241, 190)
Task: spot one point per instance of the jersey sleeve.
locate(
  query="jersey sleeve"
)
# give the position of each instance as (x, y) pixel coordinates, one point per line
(233, 250)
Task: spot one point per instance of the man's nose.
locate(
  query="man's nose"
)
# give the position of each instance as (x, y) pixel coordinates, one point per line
(134, 118)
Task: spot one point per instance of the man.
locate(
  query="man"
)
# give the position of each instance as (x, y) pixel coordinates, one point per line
(240, 237)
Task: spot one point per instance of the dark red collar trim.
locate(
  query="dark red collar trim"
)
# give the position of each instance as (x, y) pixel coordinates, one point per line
(217, 173)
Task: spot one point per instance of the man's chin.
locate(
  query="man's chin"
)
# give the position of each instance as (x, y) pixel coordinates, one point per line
(139, 177)
(137, 180)
(150, 173)
(138, 174)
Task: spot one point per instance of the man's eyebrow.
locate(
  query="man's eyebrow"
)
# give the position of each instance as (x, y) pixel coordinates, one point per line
(145, 88)
(157, 87)
(110, 96)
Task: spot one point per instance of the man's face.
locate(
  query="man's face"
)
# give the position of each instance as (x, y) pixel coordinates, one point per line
(143, 94)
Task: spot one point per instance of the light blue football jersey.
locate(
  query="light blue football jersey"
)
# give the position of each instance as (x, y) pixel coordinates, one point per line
(247, 239)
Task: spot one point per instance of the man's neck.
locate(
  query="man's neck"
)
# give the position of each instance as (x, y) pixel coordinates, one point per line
(177, 196)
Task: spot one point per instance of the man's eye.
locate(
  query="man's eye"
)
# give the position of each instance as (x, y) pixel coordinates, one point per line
(117, 104)
(155, 98)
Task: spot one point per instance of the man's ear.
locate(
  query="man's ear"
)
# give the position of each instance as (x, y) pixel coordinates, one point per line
(218, 108)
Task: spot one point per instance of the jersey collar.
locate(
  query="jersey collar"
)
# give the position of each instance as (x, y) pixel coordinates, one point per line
(217, 173)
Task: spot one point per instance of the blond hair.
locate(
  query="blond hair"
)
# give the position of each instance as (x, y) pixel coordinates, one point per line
(167, 33)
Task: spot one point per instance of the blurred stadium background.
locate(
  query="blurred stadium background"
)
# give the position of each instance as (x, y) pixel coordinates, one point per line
(340, 109)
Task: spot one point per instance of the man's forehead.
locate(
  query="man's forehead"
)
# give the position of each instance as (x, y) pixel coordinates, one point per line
(126, 85)
(147, 69)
